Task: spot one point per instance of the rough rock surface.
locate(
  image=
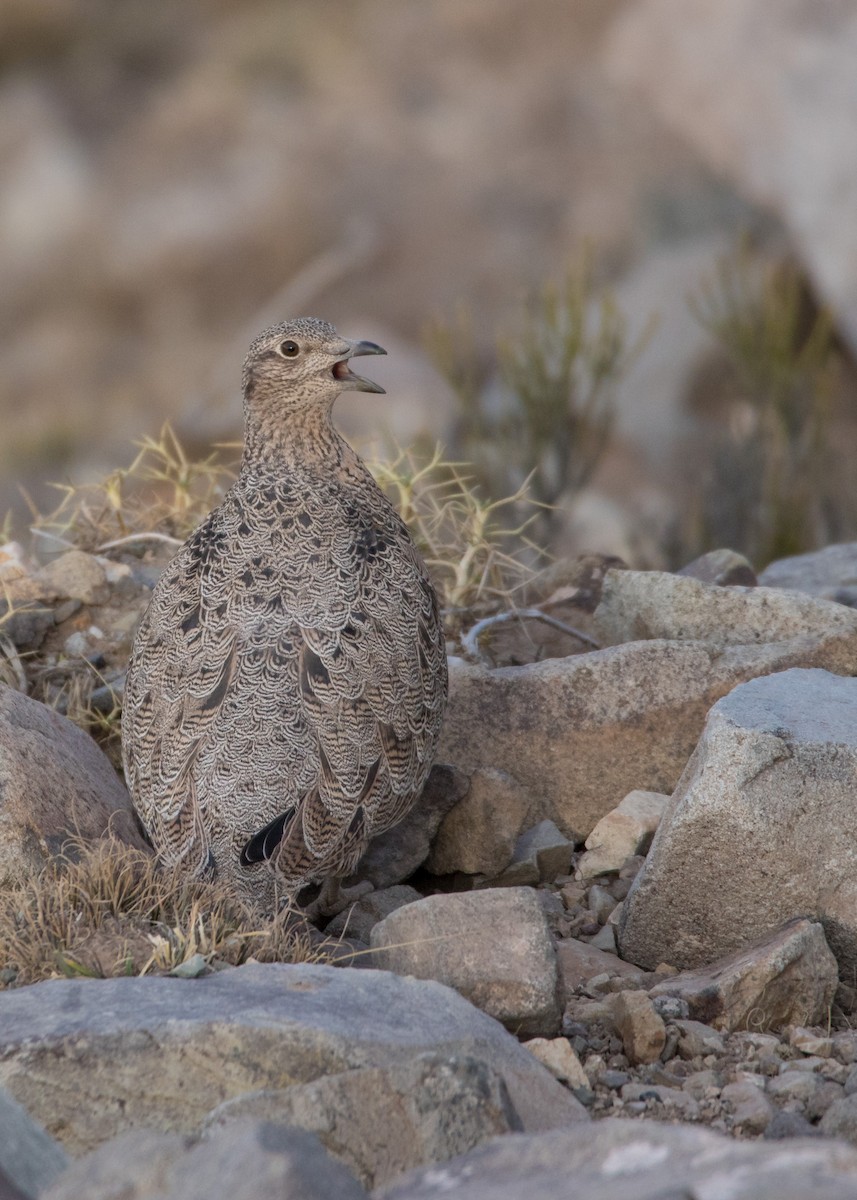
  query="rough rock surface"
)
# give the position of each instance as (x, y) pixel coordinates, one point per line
(622, 833)
(478, 835)
(830, 573)
(395, 855)
(91, 1058)
(540, 854)
(788, 978)
(54, 783)
(744, 812)
(580, 961)
(641, 1029)
(493, 946)
(579, 733)
(358, 919)
(251, 1160)
(383, 1121)
(623, 1160)
(639, 605)
(29, 1158)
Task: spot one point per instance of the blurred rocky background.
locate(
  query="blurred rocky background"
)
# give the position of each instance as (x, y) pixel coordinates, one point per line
(612, 241)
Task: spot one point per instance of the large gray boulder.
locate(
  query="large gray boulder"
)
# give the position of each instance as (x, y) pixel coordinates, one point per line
(92, 1058)
(577, 734)
(617, 1159)
(55, 783)
(761, 828)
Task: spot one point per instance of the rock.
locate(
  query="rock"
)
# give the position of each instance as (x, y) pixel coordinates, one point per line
(29, 1159)
(627, 830)
(726, 568)
(478, 835)
(383, 1121)
(8, 1190)
(829, 573)
(135, 1165)
(629, 715)
(560, 1059)
(809, 1041)
(793, 1085)
(638, 605)
(600, 901)
(642, 1031)
(55, 783)
(395, 855)
(639, 1096)
(761, 135)
(605, 939)
(492, 946)
(26, 617)
(823, 1098)
(744, 800)
(74, 576)
(752, 1111)
(790, 1125)
(540, 855)
(696, 1040)
(581, 961)
(616, 1159)
(250, 1160)
(358, 920)
(788, 976)
(840, 1120)
(92, 1058)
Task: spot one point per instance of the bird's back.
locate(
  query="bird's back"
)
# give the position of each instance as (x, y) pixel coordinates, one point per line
(289, 673)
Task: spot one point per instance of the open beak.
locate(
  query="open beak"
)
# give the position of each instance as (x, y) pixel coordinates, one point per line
(350, 381)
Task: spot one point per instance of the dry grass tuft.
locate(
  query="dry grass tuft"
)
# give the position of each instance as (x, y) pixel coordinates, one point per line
(475, 548)
(104, 909)
(161, 497)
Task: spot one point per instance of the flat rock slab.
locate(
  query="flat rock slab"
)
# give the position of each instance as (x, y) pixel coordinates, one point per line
(616, 1159)
(92, 1058)
(55, 783)
(578, 734)
(762, 828)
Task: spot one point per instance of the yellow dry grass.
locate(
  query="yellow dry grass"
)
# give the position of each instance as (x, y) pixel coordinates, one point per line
(106, 908)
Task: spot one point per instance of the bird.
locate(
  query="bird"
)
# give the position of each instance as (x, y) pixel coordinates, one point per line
(288, 680)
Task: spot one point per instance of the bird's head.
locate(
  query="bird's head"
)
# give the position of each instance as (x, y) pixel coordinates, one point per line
(303, 363)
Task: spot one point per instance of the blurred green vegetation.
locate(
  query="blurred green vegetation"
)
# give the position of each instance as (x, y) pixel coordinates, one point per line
(542, 407)
(775, 483)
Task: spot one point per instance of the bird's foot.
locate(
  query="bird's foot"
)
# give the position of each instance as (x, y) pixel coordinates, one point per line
(334, 898)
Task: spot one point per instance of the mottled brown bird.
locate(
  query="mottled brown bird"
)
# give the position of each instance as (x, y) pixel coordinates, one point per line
(288, 680)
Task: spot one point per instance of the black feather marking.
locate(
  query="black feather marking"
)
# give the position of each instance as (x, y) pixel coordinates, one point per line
(263, 844)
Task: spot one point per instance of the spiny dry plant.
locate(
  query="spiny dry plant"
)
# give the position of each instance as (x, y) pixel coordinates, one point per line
(476, 549)
(558, 368)
(105, 908)
(773, 487)
(161, 496)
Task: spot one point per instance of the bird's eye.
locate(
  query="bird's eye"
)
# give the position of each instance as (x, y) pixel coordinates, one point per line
(289, 349)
